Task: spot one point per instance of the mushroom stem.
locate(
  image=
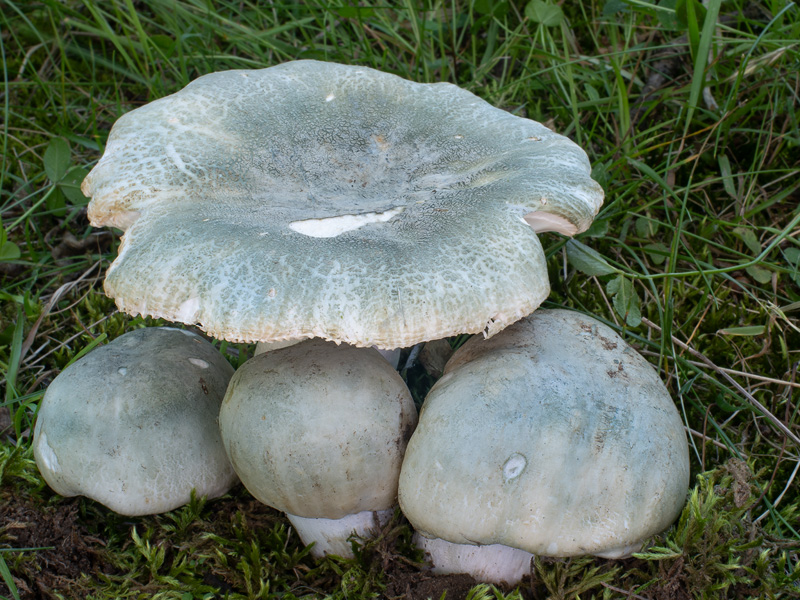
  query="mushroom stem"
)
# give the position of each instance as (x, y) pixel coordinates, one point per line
(494, 563)
(330, 536)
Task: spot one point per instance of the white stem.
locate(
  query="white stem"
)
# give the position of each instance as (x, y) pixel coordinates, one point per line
(494, 563)
(330, 535)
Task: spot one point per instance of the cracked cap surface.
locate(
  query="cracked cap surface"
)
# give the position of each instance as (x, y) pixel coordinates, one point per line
(314, 199)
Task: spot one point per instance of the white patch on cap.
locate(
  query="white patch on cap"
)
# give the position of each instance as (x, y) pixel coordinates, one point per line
(333, 226)
(514, 466)
(122, 371)
(187, 312)
(47, 455)
(542, 221)
(177, 160)
(199, 362)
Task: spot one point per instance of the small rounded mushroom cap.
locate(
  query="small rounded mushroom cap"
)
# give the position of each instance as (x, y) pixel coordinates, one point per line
(321, 200)
(318, 431)
(133, 424)
(554, 437)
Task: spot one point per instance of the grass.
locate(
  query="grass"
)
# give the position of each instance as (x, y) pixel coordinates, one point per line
(689, 115)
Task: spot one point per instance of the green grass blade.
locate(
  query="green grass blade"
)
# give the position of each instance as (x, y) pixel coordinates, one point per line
(7, 578)
(701, 58)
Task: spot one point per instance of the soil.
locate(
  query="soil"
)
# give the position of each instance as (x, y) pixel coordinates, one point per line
(64, 549)
(420, 586)
(62, 555)
(63, 558)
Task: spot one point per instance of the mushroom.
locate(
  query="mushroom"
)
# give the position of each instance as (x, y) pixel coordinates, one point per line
(319, 432)
(133, 424)
(315, 199)
(555, 438)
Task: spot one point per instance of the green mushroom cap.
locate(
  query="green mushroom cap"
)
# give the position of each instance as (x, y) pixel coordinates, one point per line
(317, 430)
(133, 424)
(554, 437)
(315, 199)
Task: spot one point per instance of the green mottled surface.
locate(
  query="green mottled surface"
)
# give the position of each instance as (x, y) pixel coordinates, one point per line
(555, 437)
(206, 183)
(317, 430)
(133, 424)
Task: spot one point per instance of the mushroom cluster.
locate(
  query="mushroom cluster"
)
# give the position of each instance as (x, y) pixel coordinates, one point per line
(317, 200)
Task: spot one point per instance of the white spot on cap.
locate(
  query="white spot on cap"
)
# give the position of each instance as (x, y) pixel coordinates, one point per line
(175, 157)
(199, 362)
(46, 454)
(122, 371)
(333, 226)
(187, 312)
(514, 466)
(542, 221)
(329, 97)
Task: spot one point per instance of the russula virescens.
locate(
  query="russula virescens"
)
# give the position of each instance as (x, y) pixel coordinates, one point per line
(133, 424)
(315, 199)
(319, 431)
(554, 437)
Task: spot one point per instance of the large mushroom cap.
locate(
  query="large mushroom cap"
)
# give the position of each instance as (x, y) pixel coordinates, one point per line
(554, 437)
(133, 424)
(314, 199)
